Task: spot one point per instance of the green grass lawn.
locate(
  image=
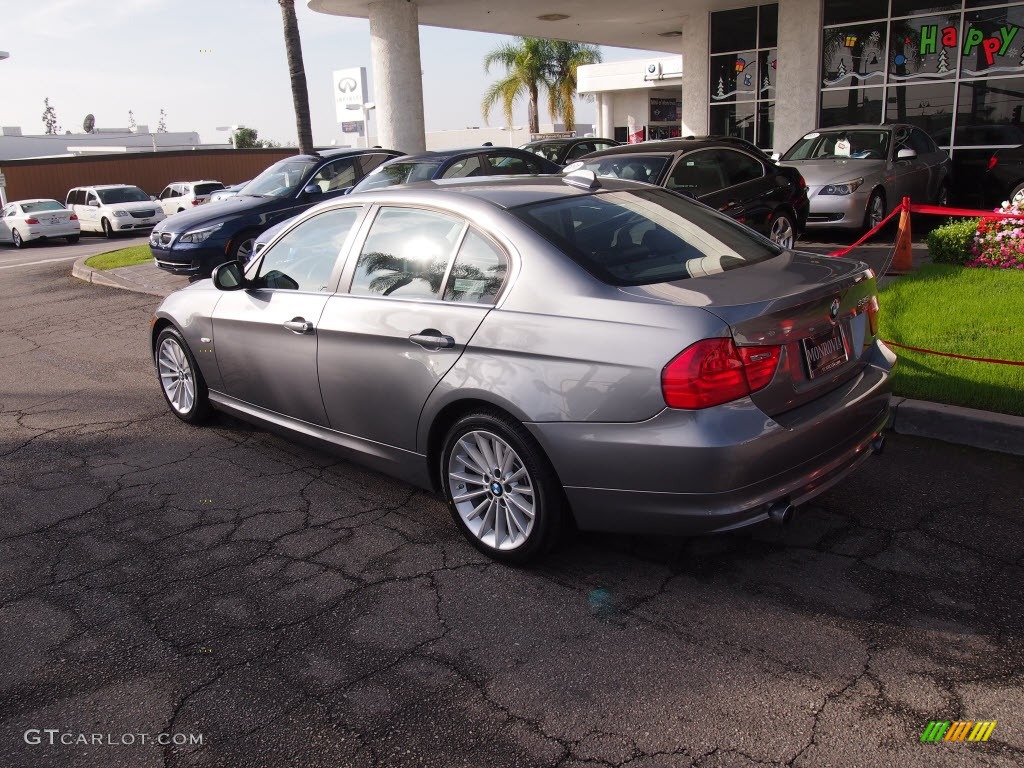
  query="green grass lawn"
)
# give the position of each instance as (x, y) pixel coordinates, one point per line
(976, 312)
(126, 257)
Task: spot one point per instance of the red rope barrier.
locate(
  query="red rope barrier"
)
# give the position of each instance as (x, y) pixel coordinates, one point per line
(938, 210)
(950, 354)
(869, 233)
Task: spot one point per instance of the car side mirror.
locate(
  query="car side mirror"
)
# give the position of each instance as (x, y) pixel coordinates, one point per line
(154, 198)
(229, 276)
(312, 189)
(94, 203)
(906, 154)
(776, 156)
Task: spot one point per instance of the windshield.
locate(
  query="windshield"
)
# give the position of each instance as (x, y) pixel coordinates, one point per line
(43, 205)
(397, 173)
(645, 236)
(866, 144)
(646, 168)
(122, 195)
(282, 179)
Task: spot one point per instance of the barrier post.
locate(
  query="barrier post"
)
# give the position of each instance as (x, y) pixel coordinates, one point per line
(903, 253)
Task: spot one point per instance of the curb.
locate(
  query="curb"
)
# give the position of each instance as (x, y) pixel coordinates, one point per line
(102, 277)
(962, 426)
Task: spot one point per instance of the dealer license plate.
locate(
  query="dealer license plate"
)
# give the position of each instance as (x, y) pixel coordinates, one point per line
(826, 352)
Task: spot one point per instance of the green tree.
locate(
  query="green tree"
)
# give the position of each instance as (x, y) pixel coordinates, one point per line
(527, 64)
(563, 61)
(161, 127)
(300, 92)
(249, 138)
(50, 118)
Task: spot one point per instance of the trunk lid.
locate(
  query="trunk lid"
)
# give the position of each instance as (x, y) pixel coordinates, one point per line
(814, 307)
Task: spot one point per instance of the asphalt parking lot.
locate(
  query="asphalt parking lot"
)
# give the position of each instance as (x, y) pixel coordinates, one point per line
(294, 610)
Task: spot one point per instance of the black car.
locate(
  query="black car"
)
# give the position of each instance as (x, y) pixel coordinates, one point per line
(722, 173)
(456, 164)
(1004, 178)
(565, 151)
(194, 242)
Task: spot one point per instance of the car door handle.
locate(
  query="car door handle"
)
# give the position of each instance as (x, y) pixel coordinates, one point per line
(432, 339)
(298, 325)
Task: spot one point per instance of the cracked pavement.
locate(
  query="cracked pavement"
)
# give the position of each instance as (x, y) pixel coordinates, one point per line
(297, 610)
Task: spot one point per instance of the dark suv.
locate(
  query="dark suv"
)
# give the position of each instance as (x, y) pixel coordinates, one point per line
(730, 175)
(194, 242)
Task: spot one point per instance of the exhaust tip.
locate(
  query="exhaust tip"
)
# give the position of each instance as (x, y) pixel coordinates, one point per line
(878, 445)
(781, 512)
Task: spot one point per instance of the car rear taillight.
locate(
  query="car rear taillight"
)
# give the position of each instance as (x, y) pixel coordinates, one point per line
(73, 217)
(993, 162)
(196, 202)
(873, 315)
(31, 221)
(716, 371)
(800, 181)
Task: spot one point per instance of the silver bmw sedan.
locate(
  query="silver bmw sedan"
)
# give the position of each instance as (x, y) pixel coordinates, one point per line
(544, 351)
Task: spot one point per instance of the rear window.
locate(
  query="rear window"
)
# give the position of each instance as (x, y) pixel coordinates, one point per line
(205, 189)
(640, 237)
(42, 205)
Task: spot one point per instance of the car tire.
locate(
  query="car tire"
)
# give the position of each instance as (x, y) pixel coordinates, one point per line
(72, 239)
(782, 230)
(16, 239)
(108, 231)
(180, 210)
(875, 211)
(242, 245)
(181, 381)
(1016, 190)
(493, 509)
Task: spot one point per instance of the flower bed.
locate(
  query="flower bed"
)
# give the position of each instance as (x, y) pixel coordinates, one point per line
(999, 243)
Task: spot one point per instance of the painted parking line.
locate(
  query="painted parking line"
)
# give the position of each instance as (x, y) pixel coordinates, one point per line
(44, 261)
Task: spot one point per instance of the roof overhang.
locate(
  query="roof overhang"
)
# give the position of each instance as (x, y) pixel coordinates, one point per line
(645, 26)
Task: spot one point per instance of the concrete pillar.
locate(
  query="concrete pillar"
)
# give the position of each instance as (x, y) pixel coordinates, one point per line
(799, 71)
(696, 90)
(606, 116)
(397, 77)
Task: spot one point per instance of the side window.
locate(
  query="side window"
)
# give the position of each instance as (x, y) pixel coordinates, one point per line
(698, 173)
(920, 143)
(90, 198)
(304, 258)
(478, 272)
(469, 166)
(579, 150)
(406, 254)
(739, 167)
(511, 165)
(186, 189)
(70, 200)
(368, 162)
(166, 193)
(599, 145)
(10, 211)
(336, 176)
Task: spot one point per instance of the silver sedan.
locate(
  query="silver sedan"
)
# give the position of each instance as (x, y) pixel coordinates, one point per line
(544, 350)
(856, 174)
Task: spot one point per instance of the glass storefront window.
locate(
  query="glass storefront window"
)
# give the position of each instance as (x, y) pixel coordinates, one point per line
(853, 55)
(993, 41)
(922, 49)
(845, 11)
(914, 7)
(989, 112)
(742, 73)
(929, 106)
(851, 105)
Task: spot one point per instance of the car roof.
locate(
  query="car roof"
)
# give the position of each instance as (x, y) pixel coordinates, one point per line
(861, 127)
(446, 154)
(105, 186)
(672, 146)
(197, 181)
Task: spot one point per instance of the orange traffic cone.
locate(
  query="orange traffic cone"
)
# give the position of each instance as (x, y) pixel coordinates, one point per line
(903, 254)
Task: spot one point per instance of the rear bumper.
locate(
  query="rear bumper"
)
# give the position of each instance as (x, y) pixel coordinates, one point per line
(690, 472)
(42, 233)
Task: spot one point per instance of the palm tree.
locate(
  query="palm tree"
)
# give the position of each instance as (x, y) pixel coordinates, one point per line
(300, 93)
(564, 59)
(527, 66)
(400, 272)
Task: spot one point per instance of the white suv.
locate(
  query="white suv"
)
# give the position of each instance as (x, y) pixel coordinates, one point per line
(182, 195)
(112, 208)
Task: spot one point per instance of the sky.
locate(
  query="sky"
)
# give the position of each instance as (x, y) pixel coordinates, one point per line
(211, 63)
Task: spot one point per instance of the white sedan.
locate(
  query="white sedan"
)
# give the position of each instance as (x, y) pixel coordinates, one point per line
(25, 220)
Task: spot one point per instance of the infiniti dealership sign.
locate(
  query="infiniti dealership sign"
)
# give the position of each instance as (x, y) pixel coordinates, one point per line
(349, 89)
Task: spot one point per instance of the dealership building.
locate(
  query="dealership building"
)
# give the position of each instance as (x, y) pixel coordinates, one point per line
(767, 72)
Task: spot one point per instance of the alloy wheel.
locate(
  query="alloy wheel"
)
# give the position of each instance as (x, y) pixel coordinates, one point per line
(782, 232)
(245, 250)
(491, 490)
(176, 376)
(876, 210)
(16, 238)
